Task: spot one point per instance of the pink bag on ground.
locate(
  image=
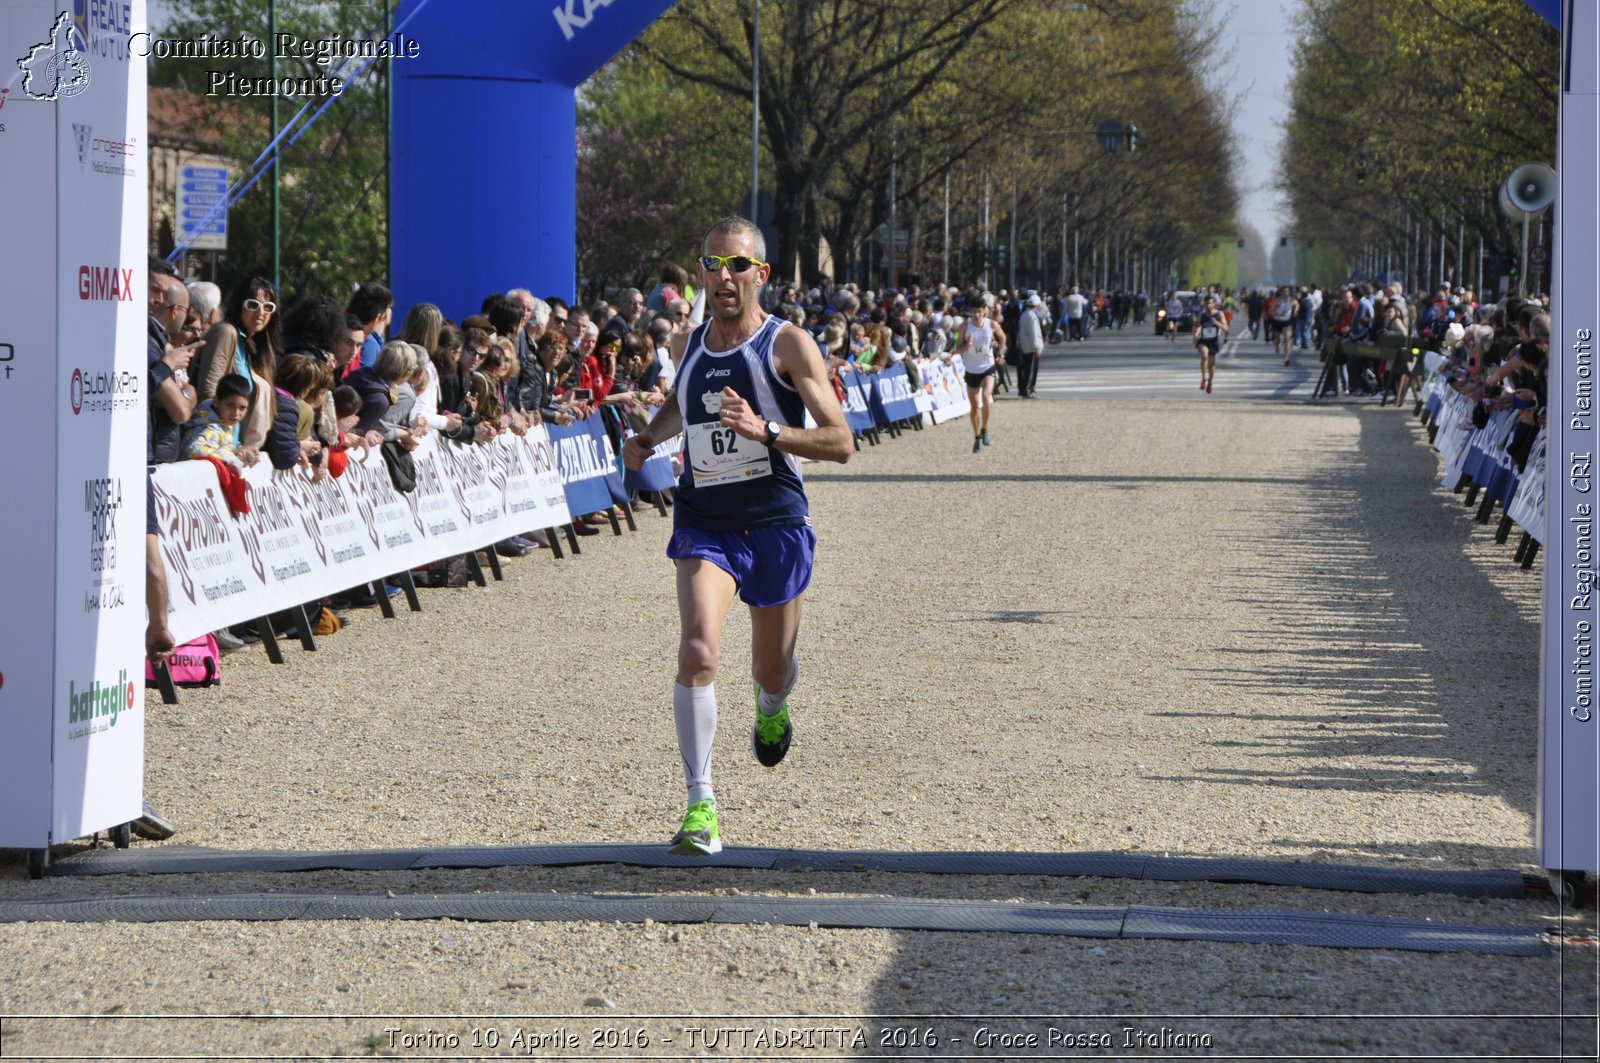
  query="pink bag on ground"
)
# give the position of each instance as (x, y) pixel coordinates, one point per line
(193, 664)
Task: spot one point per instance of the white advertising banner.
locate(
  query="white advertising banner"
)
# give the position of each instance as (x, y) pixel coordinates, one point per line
(301, 539)
(1569, 730)
(28, 410)
(74, 159)
(946, 388)
(1527, 507)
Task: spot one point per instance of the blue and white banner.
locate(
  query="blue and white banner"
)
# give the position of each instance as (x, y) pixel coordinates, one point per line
(658, 473)
(893, 398)
(588, 466)
(857, 407)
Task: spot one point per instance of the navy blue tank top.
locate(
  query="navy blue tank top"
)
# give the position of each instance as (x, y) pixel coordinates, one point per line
(729, 482)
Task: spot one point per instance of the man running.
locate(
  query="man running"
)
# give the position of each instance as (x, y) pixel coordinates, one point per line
(1174, 310)
(744, 384)
(1283, 312)
(982, 350)
(1210, 325)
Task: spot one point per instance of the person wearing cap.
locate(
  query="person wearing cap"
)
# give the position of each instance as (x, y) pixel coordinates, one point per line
(746, 381)
(1030, 345)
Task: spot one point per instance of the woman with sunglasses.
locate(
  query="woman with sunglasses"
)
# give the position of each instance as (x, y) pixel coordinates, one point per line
(247, 341)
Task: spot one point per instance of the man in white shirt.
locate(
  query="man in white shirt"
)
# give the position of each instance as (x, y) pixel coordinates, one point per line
(1030, 345)
(1076, 304)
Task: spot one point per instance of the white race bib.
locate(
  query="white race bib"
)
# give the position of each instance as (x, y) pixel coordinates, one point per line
(719, 455)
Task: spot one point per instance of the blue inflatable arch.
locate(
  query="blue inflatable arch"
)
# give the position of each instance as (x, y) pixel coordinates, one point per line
(483, 188)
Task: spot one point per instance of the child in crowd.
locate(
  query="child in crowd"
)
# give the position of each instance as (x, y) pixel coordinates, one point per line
(213, 432)
(347, 408)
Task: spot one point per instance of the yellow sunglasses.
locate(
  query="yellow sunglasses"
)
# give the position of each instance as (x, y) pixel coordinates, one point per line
(735, 263)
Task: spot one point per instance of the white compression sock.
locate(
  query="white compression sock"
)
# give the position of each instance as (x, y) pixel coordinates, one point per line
(772, 702)
(694, 709)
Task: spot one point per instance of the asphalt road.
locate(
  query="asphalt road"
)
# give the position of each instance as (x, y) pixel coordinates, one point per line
(1133, 363)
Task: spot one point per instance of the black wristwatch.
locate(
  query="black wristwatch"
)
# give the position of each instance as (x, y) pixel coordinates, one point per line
(773, 428)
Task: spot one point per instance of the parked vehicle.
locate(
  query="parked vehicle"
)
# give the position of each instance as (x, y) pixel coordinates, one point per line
(1185, 320)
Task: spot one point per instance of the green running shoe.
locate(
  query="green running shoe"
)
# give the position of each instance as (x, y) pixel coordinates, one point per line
(769, 737)
(698, 836)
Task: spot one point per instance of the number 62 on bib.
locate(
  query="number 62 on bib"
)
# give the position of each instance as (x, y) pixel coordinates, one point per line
(719, 455)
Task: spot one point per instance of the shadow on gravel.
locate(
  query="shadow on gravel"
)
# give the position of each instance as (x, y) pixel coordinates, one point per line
(1361, 572)
(1425, 670)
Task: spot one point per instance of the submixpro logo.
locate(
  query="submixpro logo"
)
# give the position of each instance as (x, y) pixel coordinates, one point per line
(103, 392)
(99, 701)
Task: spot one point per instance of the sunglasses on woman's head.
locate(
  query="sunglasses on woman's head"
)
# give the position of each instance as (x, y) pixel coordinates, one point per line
(258, 305)
(735, 263)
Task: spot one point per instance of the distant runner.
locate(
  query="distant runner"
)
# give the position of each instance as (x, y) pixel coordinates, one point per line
(1210, 325)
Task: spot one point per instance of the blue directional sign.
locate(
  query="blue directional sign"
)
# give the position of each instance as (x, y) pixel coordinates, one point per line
(201, 207)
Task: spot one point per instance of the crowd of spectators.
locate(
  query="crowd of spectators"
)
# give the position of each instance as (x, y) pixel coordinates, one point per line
(242, 379)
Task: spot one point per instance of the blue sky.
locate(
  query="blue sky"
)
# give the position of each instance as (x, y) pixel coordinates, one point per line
(1255, 67)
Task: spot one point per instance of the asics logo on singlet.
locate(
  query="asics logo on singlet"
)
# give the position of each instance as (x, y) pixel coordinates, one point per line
(719, 372)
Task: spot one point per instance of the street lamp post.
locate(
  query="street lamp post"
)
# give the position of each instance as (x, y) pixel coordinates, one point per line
(755, 115)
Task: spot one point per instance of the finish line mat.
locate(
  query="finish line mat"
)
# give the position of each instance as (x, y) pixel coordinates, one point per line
(178, 860)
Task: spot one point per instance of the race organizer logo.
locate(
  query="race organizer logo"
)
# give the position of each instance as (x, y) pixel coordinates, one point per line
(55, 68)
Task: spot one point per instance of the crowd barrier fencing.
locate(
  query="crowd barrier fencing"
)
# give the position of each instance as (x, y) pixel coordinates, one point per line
(1392, 352)
(303, 539)
(1478, 463)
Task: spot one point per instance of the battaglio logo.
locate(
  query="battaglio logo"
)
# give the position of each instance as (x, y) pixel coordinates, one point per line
(99, 701)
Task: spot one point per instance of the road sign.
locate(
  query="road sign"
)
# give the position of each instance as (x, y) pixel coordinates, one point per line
(202, 211)
(1111, 134)
(1537, 256)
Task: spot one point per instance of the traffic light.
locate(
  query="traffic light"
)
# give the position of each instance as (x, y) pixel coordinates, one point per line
(1000, 256)
(1133, 138)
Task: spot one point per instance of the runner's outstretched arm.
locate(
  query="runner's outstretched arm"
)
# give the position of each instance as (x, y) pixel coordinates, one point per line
(796, 356)
(667, 423)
